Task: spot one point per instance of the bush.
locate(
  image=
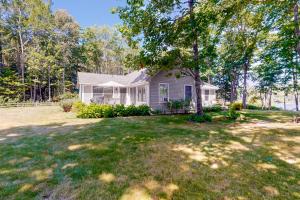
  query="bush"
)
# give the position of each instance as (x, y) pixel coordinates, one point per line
(120, 111)
(232, 114)
(214, 108)
(78, 106)
(109, 111)
(275, 108)
(253, 107)
(175, 106)
(66, 105)
(143, 110)
(236, 106)
(200, 118)
(91, 111)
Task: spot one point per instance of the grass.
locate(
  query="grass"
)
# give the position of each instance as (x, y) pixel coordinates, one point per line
(48, 154)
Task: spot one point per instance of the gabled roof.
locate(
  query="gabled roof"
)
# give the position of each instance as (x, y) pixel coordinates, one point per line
(134, 78)
(131, 79)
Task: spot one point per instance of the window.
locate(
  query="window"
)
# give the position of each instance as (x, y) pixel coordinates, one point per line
(206, 95)
(97, 91)
(188, 92)
(163, 92)
(116, 92)
(141, 94)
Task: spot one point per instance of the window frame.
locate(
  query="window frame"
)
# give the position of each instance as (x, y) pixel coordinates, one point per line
(168, 94)
(184, 96)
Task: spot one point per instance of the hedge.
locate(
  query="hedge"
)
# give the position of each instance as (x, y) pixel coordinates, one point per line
(109, 111)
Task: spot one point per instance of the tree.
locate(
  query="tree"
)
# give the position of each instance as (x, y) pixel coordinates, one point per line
(174, 34)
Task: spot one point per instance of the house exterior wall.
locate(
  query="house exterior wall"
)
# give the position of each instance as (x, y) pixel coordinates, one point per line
(176, 88)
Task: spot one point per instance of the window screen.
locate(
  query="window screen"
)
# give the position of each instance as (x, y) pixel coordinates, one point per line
(163, 92)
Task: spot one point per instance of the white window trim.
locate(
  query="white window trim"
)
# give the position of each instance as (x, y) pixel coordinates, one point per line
(159, 92)
(184, 91)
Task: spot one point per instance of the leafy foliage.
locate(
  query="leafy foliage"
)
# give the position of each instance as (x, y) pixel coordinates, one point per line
(236, 106)
(109, 111)
(232, 113)
(200, 118)
(213, 108)
(67, 105)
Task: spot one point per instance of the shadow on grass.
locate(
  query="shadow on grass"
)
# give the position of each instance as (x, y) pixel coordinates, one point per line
(150, 157)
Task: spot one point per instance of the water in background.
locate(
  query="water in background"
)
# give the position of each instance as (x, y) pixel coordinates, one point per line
(289, 106)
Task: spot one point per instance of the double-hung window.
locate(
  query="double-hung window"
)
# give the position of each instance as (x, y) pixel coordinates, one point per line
(188, 92)
(163, 92)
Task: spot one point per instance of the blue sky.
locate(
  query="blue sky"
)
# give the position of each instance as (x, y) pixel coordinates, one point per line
(91, 12)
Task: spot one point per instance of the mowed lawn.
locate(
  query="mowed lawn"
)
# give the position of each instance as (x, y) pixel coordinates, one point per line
(48, 154)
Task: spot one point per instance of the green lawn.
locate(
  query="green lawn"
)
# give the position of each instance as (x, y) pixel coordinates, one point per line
(48, 154)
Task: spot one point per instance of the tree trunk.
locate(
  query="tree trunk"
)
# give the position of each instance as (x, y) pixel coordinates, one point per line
(297, 29)
(233, 91)
(262, 100)
(40, 93)
(297, 34)
(49, 84)
(1, 54)
(199, 107)
(63, 80)
(245, 85)
(34, 91)
(295, 86)
(270, 99)
(284, 102)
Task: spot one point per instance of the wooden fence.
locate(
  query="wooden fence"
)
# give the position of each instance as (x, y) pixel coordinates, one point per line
(28, 104)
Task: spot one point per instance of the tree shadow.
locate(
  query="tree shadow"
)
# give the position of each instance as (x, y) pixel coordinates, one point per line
(150, 157)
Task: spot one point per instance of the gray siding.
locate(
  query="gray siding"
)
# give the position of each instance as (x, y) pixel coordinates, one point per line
(176, 88)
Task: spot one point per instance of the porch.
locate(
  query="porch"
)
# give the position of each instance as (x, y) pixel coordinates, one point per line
(113, 94)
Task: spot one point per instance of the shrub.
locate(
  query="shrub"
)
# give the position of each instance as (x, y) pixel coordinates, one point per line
(143, 110)
(156, 112)
(91, 111)
(200, 118)
(275, 108)
(66, 105)
(131, 110)
(232, 114)
(78, 106)
(236, 106)
(214, 108)
(120, 111)
(108, 111)
(253, 107)
(175, 106)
